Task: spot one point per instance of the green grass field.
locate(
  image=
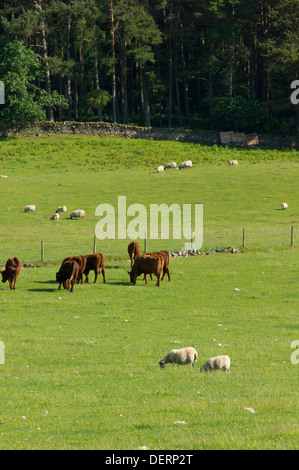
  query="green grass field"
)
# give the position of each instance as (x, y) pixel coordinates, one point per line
(81, 370)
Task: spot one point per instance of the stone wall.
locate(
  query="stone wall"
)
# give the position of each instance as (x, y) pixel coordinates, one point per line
(134, 132)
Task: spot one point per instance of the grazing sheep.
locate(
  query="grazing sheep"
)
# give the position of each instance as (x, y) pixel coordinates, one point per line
(29, 208)
(78, 213)
(218, 362)
(233, 162)
(180, 357)
(186, 164)
(170, 165)
(284, 205)
(54, 216)
(61, 209)
(160, 168)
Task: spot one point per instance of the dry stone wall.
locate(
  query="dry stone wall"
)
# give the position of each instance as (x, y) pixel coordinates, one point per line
(134, 132)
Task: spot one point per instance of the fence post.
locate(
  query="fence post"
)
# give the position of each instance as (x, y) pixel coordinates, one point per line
(243, 237)
(94, 244)
(42, 250)
(145, 243)
(292, 235)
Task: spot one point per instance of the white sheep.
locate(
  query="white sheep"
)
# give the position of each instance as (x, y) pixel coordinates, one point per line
(29, 208)
(170, 165)
(78, 213)
(284, 205)
(55, 216)
(218, 362)
(186, 164)
(233, 162)
(160, 168)
(61, 209)
(180, 357)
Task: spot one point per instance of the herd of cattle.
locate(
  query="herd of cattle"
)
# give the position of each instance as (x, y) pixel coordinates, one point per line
(73, 268)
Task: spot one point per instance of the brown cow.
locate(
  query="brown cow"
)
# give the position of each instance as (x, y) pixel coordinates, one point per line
(133, 250)
(147, 265)
(95, 263)
(81, 260)
(11, 272)
(68, 274)
(165, 255)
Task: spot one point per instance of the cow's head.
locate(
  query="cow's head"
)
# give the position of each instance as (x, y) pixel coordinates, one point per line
(133, 277)
(4, 276)
(58, 277)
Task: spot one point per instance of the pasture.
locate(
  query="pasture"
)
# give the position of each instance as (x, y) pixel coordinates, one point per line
(82, 369)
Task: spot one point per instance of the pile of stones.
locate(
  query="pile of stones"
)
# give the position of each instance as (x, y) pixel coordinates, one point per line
(186, 253)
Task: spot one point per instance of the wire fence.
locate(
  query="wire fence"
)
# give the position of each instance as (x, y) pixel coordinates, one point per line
(47, 250)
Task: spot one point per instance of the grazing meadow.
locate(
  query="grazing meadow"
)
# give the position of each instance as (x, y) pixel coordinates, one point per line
(81, 370)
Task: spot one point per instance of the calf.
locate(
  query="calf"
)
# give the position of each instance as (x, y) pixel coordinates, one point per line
(133, 250)
(95, 263)
(11, 272)
(147, 265)
(81, 260)
(68, 274)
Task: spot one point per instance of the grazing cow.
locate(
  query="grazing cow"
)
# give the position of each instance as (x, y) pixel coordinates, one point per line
(133, 250)
(11, 272)
(165, 255)
(147, 265)
(95, 263)
(68, 274)
(81, 260)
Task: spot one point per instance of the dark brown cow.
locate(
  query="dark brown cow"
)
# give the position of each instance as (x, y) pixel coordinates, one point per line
(81, 260)
(133, 250)
(68, 274)
(165, 255)
(95, 263)
(147, 265)
(11, 272)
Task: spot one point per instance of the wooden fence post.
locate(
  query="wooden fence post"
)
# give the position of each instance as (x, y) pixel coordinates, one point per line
(292, 235)
(42, 250)
(243, 237)
(95, 244)
(145, 243)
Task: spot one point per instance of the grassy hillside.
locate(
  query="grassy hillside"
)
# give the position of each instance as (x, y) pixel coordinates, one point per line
(81, 370)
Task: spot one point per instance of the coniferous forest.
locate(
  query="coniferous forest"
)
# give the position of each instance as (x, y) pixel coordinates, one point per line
(201, 64)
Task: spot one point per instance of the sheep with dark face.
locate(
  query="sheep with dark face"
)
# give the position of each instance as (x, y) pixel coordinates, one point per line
(180, 357)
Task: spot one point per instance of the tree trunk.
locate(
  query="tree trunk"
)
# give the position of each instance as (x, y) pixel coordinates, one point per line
(177, 90)
(252, 93)
(96, 71)
(123, 71)
(211, 94)
(146, 105)
(113, 63)
(170, 85)
(50, 113)
(68, 78)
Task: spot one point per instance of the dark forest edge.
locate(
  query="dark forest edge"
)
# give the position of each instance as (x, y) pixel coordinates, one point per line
(196, 64)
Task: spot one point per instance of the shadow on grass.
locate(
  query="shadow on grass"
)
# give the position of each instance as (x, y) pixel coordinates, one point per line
(46, 282)
(43, 290)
